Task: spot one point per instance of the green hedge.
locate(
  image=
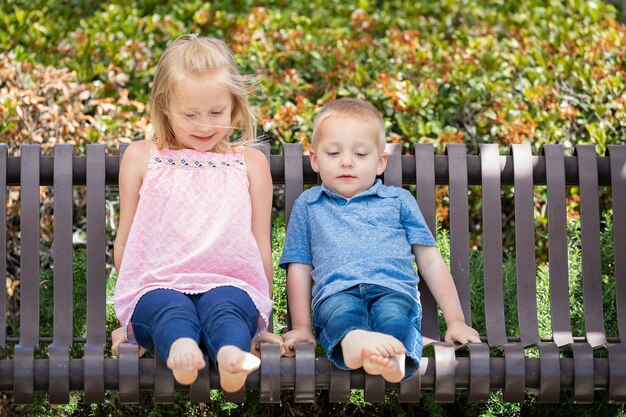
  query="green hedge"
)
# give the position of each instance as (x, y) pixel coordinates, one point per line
(447, 71)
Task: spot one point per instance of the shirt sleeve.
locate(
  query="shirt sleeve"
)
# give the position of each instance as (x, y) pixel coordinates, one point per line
(412, 220)
(297, 247)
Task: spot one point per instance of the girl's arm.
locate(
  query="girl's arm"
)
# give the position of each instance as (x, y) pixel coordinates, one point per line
(132, 171)
(261, 190)
(437, 276)
(260, 180)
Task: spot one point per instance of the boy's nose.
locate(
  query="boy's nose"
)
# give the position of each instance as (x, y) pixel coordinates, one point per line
(346, 161)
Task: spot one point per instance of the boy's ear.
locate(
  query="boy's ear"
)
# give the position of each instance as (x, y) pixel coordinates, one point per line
(382, 163)
(313, 157)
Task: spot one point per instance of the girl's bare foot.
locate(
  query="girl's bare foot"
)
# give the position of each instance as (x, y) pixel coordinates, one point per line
(381, 344)
(391, 368)
(235, 365)
(185, 359)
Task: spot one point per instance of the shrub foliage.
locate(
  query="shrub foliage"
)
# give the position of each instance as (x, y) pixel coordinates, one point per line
(444, 72)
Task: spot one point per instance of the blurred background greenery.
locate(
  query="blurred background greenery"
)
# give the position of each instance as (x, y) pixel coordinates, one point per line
(450, 71)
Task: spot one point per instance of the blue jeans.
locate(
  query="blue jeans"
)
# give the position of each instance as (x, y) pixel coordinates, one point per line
(219, 317)
(372, 308)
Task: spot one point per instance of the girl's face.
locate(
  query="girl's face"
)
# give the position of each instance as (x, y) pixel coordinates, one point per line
(200, 111)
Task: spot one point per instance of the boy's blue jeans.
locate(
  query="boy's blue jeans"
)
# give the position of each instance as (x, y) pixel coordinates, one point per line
(219, 317)
(373, 308)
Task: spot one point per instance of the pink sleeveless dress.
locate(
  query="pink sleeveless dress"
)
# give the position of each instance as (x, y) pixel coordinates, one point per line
(192, 232)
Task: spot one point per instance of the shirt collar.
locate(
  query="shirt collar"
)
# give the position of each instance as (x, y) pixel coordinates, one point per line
(377, 189)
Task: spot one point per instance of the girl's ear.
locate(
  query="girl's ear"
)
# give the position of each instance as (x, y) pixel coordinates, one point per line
(313, 157)
(382, 163)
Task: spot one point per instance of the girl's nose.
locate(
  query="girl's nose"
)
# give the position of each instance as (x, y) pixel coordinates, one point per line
(204, 124)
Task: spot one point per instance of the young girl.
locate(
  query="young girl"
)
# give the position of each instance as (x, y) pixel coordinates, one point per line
(193, 246)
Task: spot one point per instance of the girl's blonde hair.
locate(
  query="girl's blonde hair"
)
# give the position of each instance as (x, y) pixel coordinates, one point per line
(201, 55)
(350, 107)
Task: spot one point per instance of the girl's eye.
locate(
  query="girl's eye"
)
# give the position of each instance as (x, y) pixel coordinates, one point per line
(217, 113)
(360, 154)
(189, 115)
(333, 153)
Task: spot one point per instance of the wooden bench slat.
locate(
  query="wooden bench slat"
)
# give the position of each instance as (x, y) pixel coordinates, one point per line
(3, 241)
(164, 382)
(63, 275)
(445, 373)
(492, 245)
(62, 245)
(525, 245)
(425, 194)
(459, 225)
(515, 373)
(29, 242)
(550, 373)
(411, 389)
(617, 155)
(29, 276)
(393, 173)
(294, 183)
(374, 390)
(339, 387)
(269, 388)
(557, 249)
(584, 376)
(590, 240)
(96, 278)
(305, 376)
(480, 372)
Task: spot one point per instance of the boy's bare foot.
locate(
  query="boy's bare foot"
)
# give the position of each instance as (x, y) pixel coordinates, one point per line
(391, 368)
(185, 359)
(381, 344)
(235, 365)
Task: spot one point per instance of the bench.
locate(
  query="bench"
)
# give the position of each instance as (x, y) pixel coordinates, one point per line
(565, 361)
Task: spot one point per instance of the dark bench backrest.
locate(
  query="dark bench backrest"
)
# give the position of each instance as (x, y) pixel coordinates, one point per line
(426, 171)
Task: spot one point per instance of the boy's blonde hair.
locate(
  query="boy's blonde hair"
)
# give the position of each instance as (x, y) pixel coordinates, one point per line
(350, 107)
(205, 56)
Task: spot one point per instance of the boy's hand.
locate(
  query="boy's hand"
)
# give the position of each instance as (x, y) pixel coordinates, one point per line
(266, 337)
(459, 332)
(118, 337)
(294, 336)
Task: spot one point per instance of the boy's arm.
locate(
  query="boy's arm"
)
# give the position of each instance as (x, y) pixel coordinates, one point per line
(436, 274)
(299, 296)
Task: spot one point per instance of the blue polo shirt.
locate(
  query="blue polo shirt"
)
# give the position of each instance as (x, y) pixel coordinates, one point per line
(362, 240)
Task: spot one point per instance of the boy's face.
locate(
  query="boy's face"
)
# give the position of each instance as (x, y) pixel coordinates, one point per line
(347, 155)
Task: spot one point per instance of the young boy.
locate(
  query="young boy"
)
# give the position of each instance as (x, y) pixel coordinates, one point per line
(358, 240)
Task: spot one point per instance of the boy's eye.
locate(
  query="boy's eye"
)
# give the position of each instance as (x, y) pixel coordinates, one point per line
(333, 153)
(360, 154)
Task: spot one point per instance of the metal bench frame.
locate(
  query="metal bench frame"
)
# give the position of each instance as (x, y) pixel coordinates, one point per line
(477, 371)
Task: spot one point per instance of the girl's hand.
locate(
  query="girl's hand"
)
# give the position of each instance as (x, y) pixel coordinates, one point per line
(459, 332)
(295, 336)
(266, 337)
(118, 337)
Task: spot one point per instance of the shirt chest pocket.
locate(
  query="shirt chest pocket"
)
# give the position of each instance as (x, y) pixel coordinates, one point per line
(384, 214)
